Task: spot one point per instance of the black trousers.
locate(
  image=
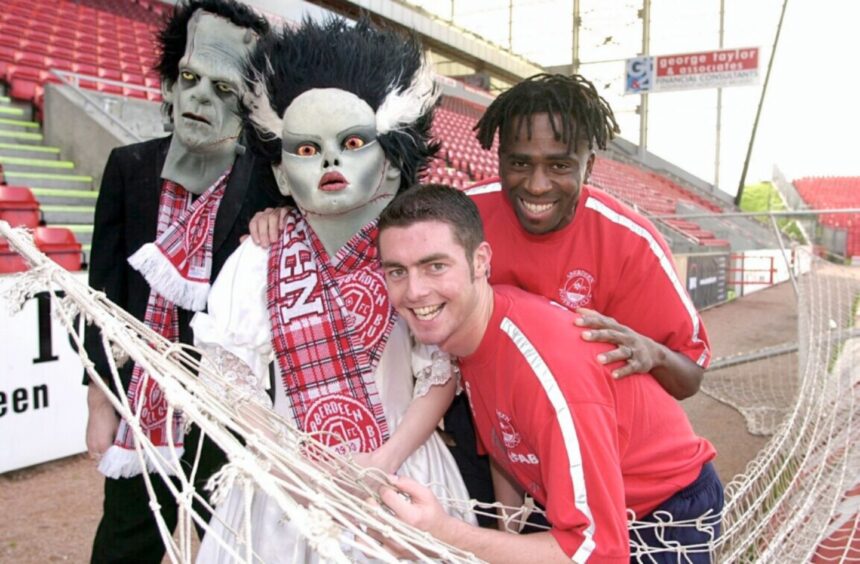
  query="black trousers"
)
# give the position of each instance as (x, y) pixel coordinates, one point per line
(474, 468)
(128, 531)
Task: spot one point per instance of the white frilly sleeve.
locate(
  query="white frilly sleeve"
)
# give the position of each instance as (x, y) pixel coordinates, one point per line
(432, 367)
(234, 332)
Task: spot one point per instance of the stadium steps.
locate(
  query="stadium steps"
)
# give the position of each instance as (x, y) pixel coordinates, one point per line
(66, 199)
(13, 109)
(24, 151)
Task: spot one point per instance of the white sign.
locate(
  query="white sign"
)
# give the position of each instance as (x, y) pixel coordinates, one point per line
(707, 69)
(43, 411)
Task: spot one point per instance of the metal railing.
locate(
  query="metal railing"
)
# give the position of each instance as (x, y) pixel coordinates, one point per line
(73, 79)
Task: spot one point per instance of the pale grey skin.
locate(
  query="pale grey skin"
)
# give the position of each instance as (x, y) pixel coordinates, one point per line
(332, 130)
(205, 100)
(209, 87)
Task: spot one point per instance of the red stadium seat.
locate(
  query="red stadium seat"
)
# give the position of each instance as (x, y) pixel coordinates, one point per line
(60, 64)
(24, 81)
(86, 69)
(60, 245)
(134, 93)
(33, 60)
(109, 88)
(18, 206)
(133, 78)
(10, 261)
(110, 74)
(10, 31)
(86, 58)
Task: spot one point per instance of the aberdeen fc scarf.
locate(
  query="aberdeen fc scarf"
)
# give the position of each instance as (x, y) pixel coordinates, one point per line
(181, 254)
(330, 323)
(179, 263)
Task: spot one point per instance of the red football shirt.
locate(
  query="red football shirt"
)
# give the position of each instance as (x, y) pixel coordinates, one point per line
(609, 258)
(583, 444)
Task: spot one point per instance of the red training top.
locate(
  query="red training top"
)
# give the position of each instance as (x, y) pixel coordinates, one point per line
(608, 258)
(579, 441)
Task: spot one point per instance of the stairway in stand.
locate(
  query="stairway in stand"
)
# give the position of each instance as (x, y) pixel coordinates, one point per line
(66, 198)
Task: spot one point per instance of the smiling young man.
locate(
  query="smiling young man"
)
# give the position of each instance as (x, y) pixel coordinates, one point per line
(553, 420)
(557, 237)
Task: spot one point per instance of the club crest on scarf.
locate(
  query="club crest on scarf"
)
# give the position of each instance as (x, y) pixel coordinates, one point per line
(344, 424)
(364, 295)
(155, 409)
(330, 321)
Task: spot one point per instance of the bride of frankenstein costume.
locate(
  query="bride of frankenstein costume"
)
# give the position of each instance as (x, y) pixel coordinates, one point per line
(343, 113)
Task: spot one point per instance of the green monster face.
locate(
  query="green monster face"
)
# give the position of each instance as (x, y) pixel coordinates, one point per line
(205, 100)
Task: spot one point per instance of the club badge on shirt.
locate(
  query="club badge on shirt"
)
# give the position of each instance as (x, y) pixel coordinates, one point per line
(577, 289)
(509, 435)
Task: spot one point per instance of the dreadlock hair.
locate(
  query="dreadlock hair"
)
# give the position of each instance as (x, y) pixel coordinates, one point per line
(577, 112)
(436, 202)
(173, 35)
(367, 61)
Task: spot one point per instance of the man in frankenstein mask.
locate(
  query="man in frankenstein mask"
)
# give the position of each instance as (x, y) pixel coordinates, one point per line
(343, 114)
(169, 213)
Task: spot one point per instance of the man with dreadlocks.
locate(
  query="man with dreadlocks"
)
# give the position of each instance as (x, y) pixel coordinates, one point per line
(169, 213)
(554, 422)
(342, 112)
(573, 244)
(577, 245)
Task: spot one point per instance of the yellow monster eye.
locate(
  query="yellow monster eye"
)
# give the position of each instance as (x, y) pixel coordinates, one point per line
(188, 75)
(306, 150)
(224, 87)
(353, 142)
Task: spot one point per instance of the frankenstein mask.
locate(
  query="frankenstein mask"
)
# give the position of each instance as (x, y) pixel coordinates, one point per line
(205, 100)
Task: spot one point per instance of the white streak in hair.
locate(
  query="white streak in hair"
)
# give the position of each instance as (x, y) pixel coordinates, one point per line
(266, 121)
(401, 108)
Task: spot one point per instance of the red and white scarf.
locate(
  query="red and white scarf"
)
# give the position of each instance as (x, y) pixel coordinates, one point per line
(179, 263)
(330, 322)
(179, 259)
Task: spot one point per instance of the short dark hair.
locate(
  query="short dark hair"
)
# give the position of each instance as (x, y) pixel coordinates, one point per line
(173, 34)
(437, 202)
(577, 112)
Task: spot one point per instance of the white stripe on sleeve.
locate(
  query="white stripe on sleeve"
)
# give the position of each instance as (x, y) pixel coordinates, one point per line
(484, 189)
(662, 258)
(568, 432)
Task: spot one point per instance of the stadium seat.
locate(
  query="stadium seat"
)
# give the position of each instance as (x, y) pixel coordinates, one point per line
(60, 245)
(835, 193)
(18, 206)
(10, 261)
(24, 80)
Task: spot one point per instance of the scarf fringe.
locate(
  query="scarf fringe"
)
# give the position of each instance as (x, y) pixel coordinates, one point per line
(120, 462)
(165, 280)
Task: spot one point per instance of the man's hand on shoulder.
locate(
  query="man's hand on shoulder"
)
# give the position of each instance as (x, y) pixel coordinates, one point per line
(639, 353)
(676, 373)
(266, 226)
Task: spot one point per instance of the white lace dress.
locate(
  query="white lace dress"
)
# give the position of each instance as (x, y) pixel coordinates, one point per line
(237, 321)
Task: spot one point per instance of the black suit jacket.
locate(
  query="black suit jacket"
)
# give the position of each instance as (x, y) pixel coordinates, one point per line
(126, 219)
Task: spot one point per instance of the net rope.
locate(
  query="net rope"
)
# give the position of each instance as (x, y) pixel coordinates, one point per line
(796, 500)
